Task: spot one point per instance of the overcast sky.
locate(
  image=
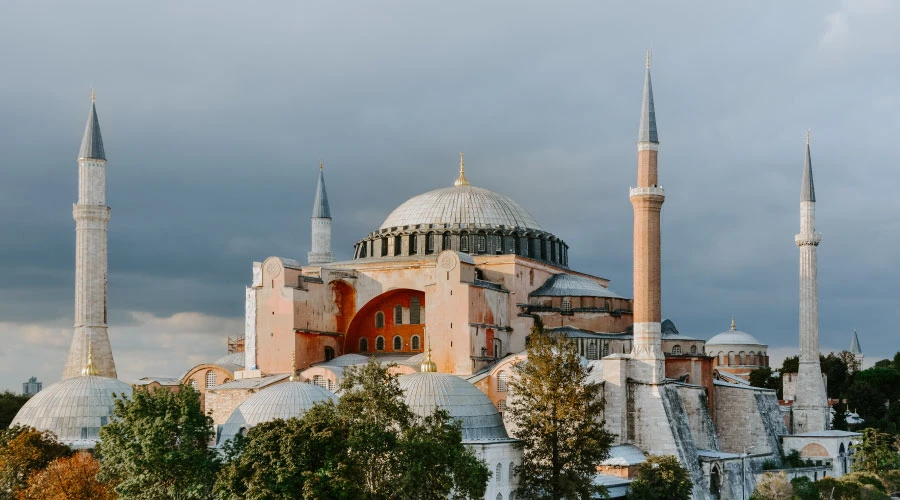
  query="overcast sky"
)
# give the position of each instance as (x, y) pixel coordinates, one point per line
(216, 114)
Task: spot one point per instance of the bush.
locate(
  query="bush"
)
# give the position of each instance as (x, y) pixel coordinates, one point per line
(805, 489)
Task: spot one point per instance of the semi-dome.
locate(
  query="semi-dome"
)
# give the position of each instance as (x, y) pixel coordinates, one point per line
(236, 358)
(284, 401)
(73, 409)
(479, 418)
(465, 205)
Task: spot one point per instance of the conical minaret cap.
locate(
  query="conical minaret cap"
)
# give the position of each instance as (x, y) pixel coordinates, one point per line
(854, 345)
(807, 190)
(92, 142)
(647, 129)
(320, 205)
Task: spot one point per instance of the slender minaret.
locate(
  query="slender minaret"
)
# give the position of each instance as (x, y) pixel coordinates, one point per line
(856, 350)
(647, 199)
(810, 405)
(321, 225)
(91, 219)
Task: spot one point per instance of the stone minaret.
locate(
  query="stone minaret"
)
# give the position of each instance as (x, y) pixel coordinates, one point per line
(647, 199)
(810, 404)
(91, 219)
(321, 225)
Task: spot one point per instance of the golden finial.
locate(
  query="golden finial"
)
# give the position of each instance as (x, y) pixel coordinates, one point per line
(428, 366)
(649, 53)
(807, 137)
(320, 164)
(294, 377)
(732, 324)
(461, 180)
(89, 368)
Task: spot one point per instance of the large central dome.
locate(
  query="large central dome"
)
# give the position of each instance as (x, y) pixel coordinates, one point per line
(461, 205)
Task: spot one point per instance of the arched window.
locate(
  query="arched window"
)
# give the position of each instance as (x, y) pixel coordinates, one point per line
(499, 496)
(693, 349)
(566, 305)
(363, 345)
(379, 319)
(502, 381)
(398, 314)
(379, 343)
(742, 358)
(480, 243)
(464, 242)
(329, 353)
(415, 312)
(193, 384)
(398, 244)
(592, 350)
(330, 385)
(445, 242)
(543, 244)
(384, 243)
(210, 379)
(413, 244)
(676, 349)
(429, 243)
(512, 475)
(721, 358)
(499, 474)
(501, 406)
(730, 358)
(531, 277)
(320, 381)
(414, 341)
(398, 343)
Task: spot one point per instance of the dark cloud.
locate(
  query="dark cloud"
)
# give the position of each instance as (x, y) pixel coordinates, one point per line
(216, 114)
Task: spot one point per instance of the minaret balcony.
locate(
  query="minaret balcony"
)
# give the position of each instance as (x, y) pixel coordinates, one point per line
(807, 239)
(647, 191)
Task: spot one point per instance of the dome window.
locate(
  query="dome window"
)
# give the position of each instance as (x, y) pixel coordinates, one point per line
(320, 381)
(415, 343)
(398, 343)
(445, 241)
(464, 242)
(384, 247)
(210, 379)
(429, 243)
(480, 243)
(379, 319)
(566, 305)
(502, 381)
(676, 349)
(693, 349)
(379, 343)
(413, 244)
(398, 244)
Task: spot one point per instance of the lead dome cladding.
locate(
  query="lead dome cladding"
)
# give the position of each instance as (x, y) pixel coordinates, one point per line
(284, 401)
(73, 409)
(479, 418)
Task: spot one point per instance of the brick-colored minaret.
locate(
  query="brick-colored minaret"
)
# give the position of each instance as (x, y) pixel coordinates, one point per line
(647, 199)
(91, 219)
(811, 403)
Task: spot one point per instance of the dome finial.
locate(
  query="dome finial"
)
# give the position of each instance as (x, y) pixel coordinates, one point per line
(92, 93)
(294, 377)
(461, 180)
(428, 366)
(89, 369)
(649, 53)
(807, 137)
(321, 164)
(732, 324)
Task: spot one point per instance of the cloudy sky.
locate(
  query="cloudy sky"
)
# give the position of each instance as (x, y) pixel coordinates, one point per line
(216, 114)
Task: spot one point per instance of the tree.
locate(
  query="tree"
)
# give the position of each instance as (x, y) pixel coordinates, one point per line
(24, 451)
(773, 486)
(661, 477)
(10, 404)
(157, 446)
(876, 453)
(369, 445)
(68, 478)
(791, 364)
(556, 412)
(763, 377)
(805, 489)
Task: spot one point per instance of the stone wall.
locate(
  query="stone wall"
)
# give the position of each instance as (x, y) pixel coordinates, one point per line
(696, 406)
(220, 403)
(748, 417)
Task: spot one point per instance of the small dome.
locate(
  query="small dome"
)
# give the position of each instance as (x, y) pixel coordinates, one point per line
(74, 409)
(285, 400)
(462, 204)
(236, 358)
(426, 392)
(733, 337)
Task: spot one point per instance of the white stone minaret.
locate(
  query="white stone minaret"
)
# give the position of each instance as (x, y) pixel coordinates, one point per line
(321, 226)
(647, 200)
(810, 404)
(91, 219)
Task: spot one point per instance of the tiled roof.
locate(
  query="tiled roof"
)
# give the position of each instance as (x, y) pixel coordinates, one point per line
(92, 142)
(320, 204)
(570, 285)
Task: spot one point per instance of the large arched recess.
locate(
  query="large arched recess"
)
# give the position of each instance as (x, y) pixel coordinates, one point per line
(363, 325)
(343, 296)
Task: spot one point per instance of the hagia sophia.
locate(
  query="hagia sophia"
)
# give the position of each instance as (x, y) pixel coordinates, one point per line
(448, 289)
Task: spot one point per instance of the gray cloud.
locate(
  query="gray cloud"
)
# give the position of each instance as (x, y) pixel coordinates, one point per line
(215, 116)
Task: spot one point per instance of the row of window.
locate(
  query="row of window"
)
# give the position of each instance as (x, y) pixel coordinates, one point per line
(415, 343)
(498, 473)
(740, 358)
(676, 349)
(415, 314)
(535, 248)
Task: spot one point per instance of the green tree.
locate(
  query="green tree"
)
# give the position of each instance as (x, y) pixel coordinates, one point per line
(876, 453)
(369, 445)
(556, 413)
(773, 486)
(661, 477)
(157, 446)
(764, 377)
(10, 404)
(805, 489)
(24, 451)
(791, 364)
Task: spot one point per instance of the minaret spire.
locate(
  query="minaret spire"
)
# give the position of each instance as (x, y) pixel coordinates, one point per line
(320, 253)
(811, 406)
(90, 342)
(647, 200)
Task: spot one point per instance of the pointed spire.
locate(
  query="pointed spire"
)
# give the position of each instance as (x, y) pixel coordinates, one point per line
(807, 190)
(854, 345)
(320, 205)
(461, 180)
(647, 130)
(92, 143)
(89, 369)
(732, 324)
(294, 377)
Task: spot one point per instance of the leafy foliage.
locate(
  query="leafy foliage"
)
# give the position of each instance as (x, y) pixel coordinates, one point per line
(848, 489)
(661, 477)
(876, 453)
(157, 446)
(805, 489)
(773, 486)
(369, 445)
(24, 451)
(556, 412)
(10, 404)
(68, 478)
